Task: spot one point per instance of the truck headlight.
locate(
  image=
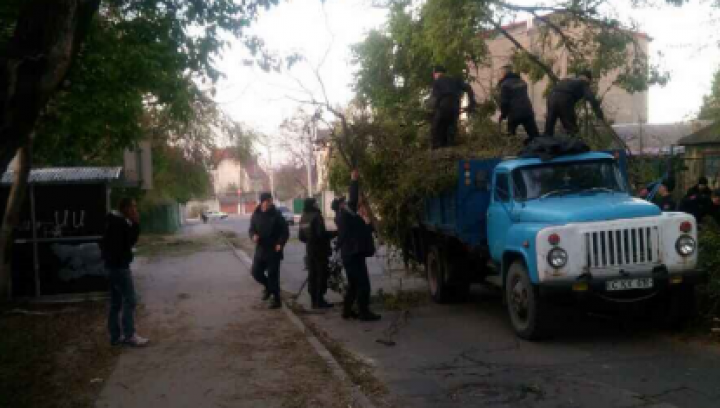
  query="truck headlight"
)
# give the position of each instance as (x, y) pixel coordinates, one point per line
(557, 258)
(685, 245)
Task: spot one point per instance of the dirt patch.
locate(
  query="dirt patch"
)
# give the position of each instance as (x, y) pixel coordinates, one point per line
(154, 246)
(268, 343)
(54, 356)
(402, 299)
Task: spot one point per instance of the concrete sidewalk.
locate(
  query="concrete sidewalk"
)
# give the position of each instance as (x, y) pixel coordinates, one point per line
(214, 343)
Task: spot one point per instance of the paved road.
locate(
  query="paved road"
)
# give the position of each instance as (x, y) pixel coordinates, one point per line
(210, 343)
(466, 355)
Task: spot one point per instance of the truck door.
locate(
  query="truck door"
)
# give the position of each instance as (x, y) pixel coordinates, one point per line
(498, 216)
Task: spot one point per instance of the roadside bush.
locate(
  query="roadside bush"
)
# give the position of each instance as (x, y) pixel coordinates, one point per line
(709, 259)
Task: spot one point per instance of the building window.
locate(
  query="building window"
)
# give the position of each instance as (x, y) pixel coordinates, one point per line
(711, 166)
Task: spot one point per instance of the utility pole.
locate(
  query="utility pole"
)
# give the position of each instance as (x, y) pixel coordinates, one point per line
(272, 171)
(308, 162)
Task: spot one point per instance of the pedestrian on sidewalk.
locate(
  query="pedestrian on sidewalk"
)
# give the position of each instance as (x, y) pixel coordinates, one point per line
(317, 252)
(269, 231)
(355, 235)
(122, 230)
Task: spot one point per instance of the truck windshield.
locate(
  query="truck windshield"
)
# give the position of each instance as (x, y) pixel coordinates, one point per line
(586, 177)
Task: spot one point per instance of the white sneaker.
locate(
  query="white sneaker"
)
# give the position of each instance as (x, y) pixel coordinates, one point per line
(136, 341)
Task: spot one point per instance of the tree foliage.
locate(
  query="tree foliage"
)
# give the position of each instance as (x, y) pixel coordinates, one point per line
(386, 132)
(710, 109)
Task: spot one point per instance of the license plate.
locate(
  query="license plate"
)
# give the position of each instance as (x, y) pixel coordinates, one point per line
(629, 284)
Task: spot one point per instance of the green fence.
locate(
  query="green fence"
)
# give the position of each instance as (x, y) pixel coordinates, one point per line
(161, 219)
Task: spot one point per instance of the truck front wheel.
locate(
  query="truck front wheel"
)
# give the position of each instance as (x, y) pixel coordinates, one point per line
(528, 314)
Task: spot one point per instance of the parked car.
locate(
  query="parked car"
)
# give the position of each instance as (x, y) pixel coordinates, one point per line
(287, 214)
(213, 215)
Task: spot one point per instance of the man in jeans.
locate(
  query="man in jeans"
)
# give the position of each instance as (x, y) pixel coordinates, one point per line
(122, 230)
(270, 233)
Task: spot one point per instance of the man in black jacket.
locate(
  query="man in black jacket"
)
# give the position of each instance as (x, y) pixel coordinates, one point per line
(122, 229)
(515, 105)
(269, 231)
(697, 200)
(317, 239)
(446, 98)
(562, 100)
(356, 243)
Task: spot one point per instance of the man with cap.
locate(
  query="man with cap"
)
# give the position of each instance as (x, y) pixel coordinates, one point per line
(269, 231)
(663, 199)
(697, 201)
(562, 100)
(317, 251)
(446, 98)
(515, 105)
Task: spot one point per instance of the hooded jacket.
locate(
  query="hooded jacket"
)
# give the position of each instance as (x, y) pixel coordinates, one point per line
(312, 231)
(119, 238)
(272, 229)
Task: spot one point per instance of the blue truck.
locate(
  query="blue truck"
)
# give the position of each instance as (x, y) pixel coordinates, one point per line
(554, 233)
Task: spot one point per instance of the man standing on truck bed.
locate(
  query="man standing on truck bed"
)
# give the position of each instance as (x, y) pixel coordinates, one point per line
(446, 99)
(562, 100)
(515, 105)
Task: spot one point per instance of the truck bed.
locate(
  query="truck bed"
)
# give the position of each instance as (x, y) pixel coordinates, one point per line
(461, 212)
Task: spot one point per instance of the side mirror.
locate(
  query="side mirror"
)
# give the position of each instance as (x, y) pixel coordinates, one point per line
(481, 180)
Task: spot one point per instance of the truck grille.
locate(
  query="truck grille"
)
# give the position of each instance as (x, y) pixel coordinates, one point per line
(623, 247)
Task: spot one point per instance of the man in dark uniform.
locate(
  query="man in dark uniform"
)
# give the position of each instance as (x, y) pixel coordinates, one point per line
(515, 105)
(561, 103)
(697, 201)
(317, 239)
(269, 231)
(663, 199)
(356, 244)
(446, 99)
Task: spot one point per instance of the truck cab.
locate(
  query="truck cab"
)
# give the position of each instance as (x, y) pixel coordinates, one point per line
(561, 229)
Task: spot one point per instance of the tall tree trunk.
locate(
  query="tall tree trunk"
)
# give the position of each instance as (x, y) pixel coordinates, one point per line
(46, 39)
(12, 217)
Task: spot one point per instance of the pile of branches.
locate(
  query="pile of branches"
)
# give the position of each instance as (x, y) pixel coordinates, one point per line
(399, 170)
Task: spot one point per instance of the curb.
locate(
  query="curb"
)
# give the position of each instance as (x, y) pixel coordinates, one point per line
(359, 399)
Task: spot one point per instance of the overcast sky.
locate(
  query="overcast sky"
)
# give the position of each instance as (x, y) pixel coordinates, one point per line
(688, 38)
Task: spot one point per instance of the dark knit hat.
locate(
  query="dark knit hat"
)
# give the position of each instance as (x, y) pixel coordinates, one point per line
(439, 68)
(703, 180)
(587, 73)
(336, 203)
(309, 203)
(265, 197)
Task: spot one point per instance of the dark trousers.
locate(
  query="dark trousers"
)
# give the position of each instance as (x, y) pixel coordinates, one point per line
(444, 126)
(318, 271)
(122, 300)
(266, 270)
(561, 106)
(358, 284)
(527, 122)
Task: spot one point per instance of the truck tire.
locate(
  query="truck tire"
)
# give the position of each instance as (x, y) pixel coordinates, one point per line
(528, 313)
(436, 268)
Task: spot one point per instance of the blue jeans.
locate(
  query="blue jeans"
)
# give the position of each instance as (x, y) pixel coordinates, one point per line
(122, 299)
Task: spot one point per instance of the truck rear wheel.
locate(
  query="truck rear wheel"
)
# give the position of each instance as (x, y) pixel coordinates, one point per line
(528, 314)
(436, 269)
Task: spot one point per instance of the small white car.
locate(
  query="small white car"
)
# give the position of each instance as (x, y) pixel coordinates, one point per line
(287, 214)
(213, 215)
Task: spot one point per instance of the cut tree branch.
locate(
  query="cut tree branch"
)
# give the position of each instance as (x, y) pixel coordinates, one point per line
(532, 56)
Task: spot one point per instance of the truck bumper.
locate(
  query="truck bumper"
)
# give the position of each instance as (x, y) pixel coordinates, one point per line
(589, 286)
